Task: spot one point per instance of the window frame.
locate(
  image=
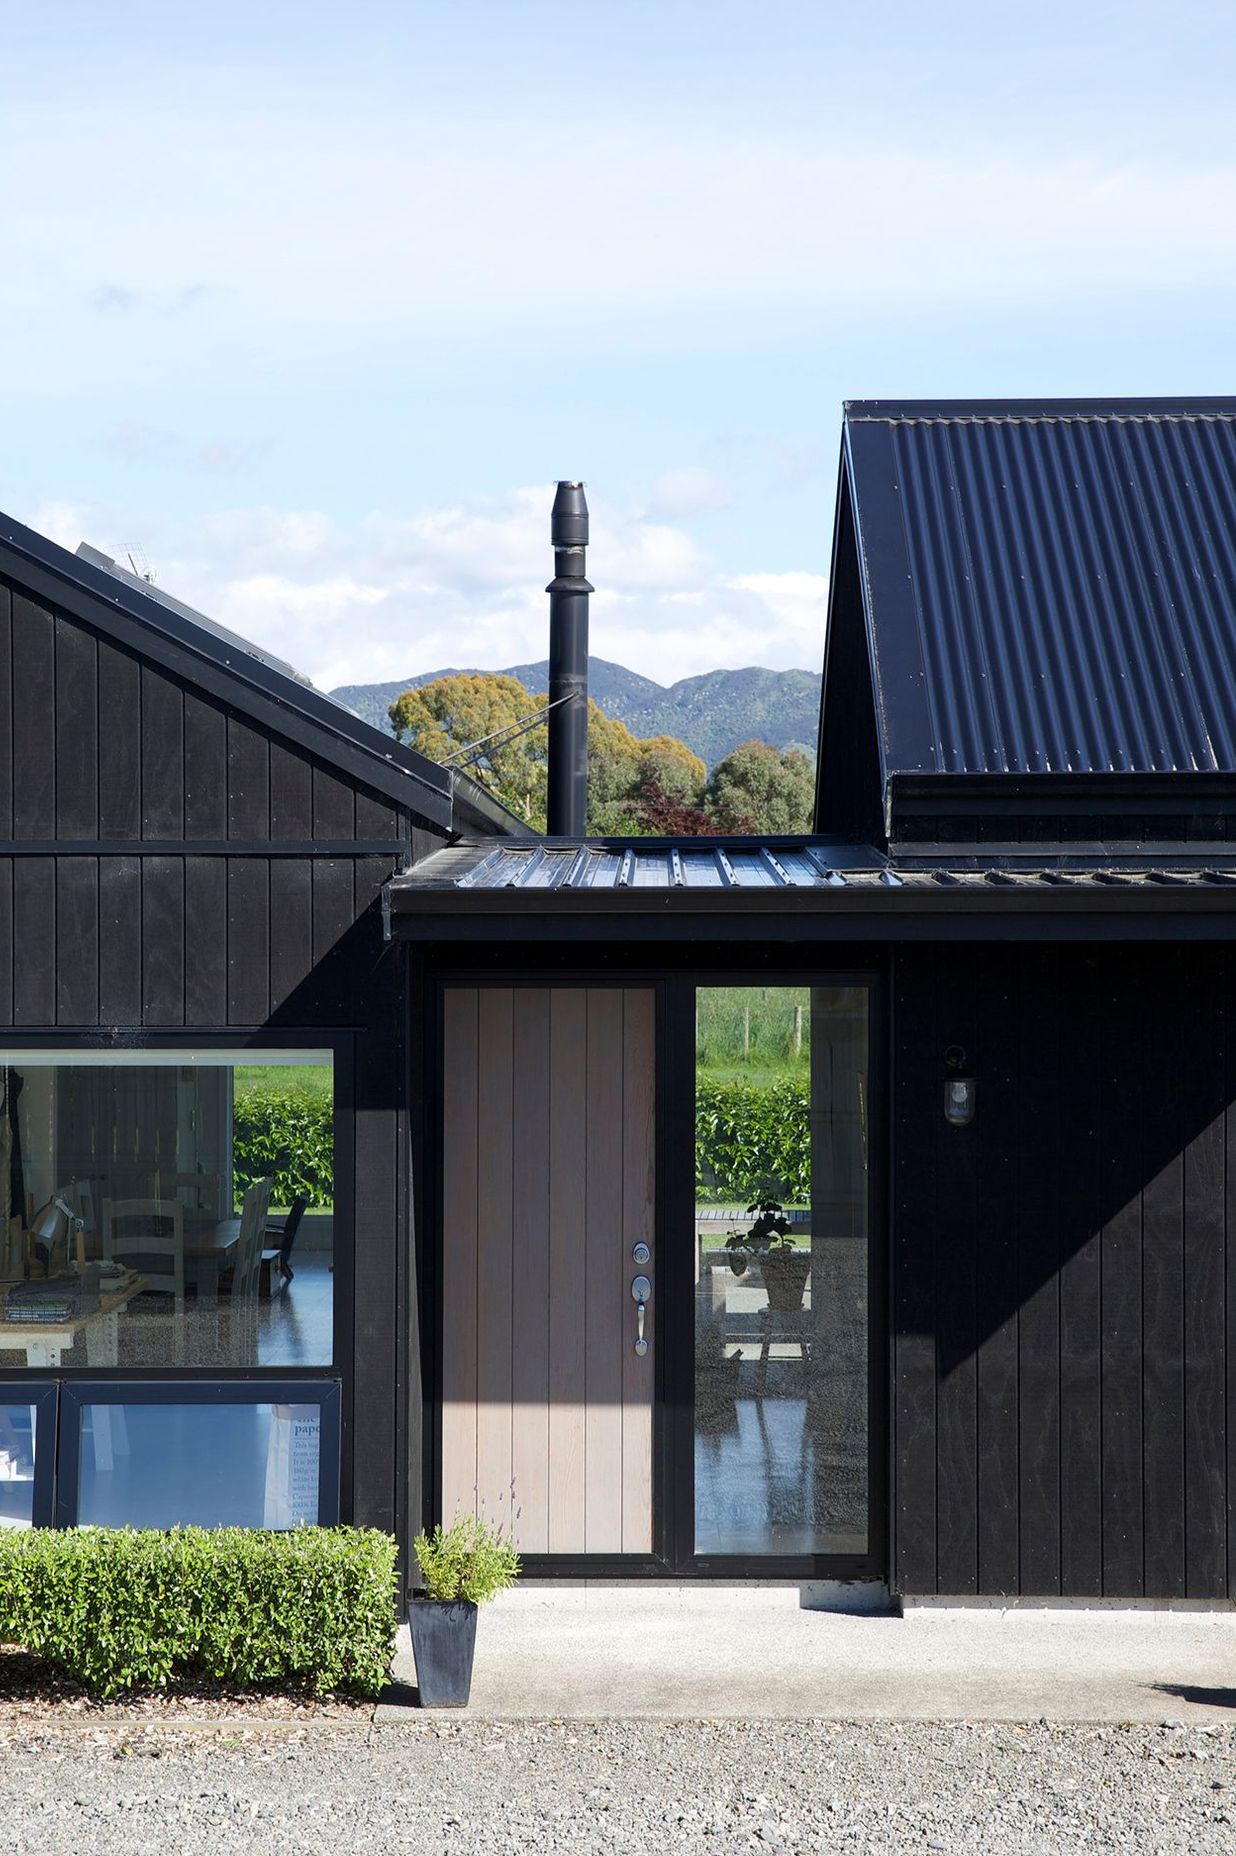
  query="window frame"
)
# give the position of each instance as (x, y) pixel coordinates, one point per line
(44, 1395)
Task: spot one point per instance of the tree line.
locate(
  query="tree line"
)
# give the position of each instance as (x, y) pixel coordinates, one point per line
(652, 787)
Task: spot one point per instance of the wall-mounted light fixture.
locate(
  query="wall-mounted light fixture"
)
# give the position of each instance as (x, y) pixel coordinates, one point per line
(959, 1088)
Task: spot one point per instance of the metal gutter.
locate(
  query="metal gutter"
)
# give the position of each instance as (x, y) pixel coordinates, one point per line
(1052, 893)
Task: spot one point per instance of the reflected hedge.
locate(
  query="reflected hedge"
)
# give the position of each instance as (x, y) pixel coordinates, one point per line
(288, 1137)
(753, 1142)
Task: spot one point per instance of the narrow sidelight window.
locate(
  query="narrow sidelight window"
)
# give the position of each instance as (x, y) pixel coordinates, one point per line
(781, 1262)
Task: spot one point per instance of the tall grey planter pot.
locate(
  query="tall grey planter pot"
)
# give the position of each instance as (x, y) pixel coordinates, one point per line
(443, 1643)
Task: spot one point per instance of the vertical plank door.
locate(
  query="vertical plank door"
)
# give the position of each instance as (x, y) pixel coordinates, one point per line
(547, 1172)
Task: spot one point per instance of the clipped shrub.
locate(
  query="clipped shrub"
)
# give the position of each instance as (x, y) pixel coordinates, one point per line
(122, 1609)
(752, 1143)
(469, 1559)
(287, 1136)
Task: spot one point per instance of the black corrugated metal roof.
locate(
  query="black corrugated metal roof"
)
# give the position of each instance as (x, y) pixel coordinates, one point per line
(1050, 587)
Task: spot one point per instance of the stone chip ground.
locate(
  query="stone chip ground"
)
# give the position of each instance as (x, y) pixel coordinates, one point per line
(469, 1787)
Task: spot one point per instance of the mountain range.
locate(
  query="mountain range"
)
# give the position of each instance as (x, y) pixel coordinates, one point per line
(712, 713)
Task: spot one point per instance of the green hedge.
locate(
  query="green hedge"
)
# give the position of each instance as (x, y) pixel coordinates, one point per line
(123, 1609)
(289, 1137)
(751, 1142)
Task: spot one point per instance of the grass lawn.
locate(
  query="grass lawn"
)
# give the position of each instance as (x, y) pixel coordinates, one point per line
(281, 1079)
(753, 1034)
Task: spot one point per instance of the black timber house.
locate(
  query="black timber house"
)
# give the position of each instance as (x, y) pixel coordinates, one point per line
(968, 1054)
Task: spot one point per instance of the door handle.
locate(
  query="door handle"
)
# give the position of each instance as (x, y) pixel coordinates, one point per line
(641, 1290)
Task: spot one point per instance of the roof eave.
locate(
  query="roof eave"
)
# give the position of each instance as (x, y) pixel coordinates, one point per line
(476, 810)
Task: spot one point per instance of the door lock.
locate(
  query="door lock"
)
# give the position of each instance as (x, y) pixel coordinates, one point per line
(640, 1253)
(641, 1289)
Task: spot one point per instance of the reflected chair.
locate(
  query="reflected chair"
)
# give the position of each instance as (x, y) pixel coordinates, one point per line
(149, 1236)
(277, 1269)
(199, 1193)
(246, 1274)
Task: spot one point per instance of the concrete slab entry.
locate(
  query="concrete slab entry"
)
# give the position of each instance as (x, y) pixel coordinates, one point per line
(852, 1595)
(613, 1652)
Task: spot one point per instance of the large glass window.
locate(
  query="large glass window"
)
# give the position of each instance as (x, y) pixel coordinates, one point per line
(781, 1253)
(166, 1208)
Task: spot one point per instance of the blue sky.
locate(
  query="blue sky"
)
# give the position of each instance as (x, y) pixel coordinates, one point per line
(307, 305)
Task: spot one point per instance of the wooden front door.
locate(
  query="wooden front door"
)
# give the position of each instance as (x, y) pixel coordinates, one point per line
(548, 1186)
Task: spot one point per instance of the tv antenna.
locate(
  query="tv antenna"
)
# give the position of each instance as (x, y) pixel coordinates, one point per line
(139, 564)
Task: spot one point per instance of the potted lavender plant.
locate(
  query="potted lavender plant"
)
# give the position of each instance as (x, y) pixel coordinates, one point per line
(462, 1566)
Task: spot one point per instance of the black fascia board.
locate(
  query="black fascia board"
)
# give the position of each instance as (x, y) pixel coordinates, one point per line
(410, 908)
(146, 626)
(1109, 794)
(1181, 406)
(1101, 857)
(624, 929)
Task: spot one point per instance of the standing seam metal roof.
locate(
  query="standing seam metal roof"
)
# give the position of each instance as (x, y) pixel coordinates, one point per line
(1068, 585)
(707, 867)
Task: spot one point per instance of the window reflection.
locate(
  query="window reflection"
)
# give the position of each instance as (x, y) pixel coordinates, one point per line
(781, 1327)
(165, 1209)
(18, 1436)
(202, 1465)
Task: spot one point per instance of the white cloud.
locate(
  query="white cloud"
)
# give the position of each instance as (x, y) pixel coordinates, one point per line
(392, 596)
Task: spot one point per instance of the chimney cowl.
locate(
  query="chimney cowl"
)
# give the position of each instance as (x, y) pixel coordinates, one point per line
(569, 522)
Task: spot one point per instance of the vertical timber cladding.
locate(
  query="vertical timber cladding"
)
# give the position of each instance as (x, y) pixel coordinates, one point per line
(1064, 1273)
(98, 744)
(548, 1183)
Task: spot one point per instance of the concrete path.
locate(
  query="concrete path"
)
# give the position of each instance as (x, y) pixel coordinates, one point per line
(601, 1652)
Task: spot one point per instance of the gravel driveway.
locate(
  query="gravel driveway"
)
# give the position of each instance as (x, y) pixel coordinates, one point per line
(480, 1786)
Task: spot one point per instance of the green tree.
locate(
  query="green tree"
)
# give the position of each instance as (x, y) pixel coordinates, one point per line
(680, 773)
(455, 712)
(613, 769)
(623, 770)
(757, 788)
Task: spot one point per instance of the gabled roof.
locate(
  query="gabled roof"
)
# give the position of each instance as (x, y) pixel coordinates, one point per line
(1048, 587)
(152, 624)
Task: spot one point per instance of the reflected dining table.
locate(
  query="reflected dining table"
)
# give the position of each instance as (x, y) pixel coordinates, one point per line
(45, 1342)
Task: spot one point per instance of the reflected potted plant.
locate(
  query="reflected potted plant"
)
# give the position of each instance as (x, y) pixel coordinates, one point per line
(462, 1566)
(785, 1269)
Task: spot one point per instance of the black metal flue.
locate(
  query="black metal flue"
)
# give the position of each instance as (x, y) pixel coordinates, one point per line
(567, 815)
